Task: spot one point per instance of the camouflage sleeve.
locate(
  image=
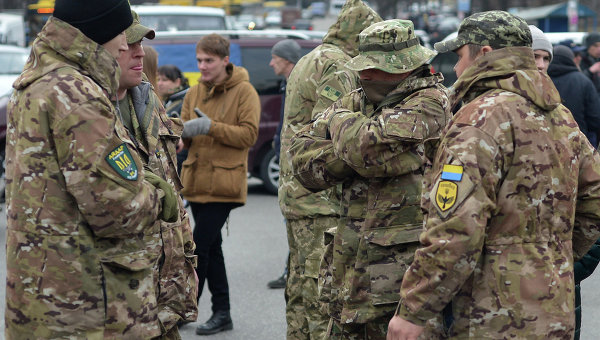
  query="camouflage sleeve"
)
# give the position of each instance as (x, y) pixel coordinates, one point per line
(332, 86)
(314, 162)
(389, 144)
(243, 134)
(456, 217)
(104, 174)
(587, 214)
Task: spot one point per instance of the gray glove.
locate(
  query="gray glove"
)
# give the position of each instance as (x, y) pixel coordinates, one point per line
(196, 126)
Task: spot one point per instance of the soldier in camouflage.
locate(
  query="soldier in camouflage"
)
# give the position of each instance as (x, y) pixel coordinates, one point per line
(373, 140)
(313, 85)
(156, 137)
(83, 230)
(511, 200)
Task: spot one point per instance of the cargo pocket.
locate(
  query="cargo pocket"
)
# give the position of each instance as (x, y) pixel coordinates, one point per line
(129, 284)
(325, 274)
(195, 177)
(228, 179)
(390, 252)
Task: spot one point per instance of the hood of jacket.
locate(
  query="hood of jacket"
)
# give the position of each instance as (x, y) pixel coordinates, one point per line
(561, 65)
(354, 17)
(510, 69)
(236, 75)
(61, 45)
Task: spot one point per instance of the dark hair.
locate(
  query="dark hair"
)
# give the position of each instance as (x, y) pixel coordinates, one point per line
(173, 73)
(214, 44)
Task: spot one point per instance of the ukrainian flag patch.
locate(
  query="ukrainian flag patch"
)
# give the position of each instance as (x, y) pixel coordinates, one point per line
(331, 93)
(452, 172)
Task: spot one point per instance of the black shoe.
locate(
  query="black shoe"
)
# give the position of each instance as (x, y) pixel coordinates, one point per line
(277, 283)
(218, 322)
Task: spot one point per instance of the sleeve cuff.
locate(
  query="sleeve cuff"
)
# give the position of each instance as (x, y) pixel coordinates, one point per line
(403, 312)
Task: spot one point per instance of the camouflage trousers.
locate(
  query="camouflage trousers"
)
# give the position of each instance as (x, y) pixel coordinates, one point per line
(304, 316)
(374, 330)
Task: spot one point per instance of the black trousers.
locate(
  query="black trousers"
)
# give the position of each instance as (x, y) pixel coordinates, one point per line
(209, 219)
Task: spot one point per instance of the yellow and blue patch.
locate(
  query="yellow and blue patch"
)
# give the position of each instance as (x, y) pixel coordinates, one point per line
(452, 173)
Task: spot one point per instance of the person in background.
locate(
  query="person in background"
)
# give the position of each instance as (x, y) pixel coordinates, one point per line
(374, 141)
(542, 48)
(151, 65)
(579, 96)
(221, 115)
(590, 59)
(141, 111)
(284, 55)
(577, 50)
(172, 87)
(577, 92)
(318, 80)
(511, 200)
(83, 215)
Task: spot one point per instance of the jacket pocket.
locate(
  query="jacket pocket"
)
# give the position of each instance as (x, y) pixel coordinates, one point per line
(129, 285)
(228, 179)
(195, 177)
(390, 251)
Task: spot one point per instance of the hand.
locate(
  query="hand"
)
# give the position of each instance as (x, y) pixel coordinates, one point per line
(196, 126)
(400, 329)
(595, 68)
(180, 145)
(170, 206)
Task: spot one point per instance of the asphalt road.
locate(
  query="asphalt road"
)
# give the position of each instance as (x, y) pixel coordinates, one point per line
(255, 252)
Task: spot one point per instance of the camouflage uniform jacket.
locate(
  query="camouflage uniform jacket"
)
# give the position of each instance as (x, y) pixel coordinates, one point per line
(384, 147)
(512, 197)
(157, 136)
(314, 85)
(83, 237)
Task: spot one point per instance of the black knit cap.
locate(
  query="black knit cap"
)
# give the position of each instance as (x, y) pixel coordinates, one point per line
(99, 20)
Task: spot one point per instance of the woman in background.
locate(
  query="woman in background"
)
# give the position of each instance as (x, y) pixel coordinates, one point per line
(150, 64)
(172, 87)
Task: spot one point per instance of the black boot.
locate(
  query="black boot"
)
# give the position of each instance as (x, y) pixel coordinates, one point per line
(218, 322)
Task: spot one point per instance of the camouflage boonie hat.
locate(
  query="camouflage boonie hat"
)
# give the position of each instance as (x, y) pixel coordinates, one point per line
(137, 31)
(497, 29)
(390, 46)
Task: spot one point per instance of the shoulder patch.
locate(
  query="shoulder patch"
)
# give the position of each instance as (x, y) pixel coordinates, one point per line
(331, 93)
(121, 160)
(448, 195)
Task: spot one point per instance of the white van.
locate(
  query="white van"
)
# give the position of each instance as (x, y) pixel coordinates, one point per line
(181, 18)
(12, 29)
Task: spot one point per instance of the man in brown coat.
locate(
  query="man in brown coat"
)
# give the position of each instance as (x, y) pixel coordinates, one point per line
(221, 116)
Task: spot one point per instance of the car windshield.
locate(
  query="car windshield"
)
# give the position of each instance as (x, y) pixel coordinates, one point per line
(12, 62)
(164, 22)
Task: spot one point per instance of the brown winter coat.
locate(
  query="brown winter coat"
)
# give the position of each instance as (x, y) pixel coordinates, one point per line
(217, 164)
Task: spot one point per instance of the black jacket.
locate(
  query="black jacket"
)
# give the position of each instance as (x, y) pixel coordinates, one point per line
(578, 94)
(586, 62)
(582, 269)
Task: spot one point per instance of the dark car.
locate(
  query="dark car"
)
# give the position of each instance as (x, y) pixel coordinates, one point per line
(251, 50)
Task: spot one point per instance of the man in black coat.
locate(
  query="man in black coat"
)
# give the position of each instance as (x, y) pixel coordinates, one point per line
(577, 92)
(590, 61)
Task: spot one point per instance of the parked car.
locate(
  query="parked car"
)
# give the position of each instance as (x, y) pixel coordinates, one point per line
(302, 24)
(181, 18)
(248, 22)
(252, 50)
(12, 60)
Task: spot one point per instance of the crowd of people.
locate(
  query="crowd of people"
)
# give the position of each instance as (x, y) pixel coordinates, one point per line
(412, 210)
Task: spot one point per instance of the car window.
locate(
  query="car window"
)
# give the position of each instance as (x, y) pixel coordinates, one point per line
(256, 61)
(164, 22)
(12, 63)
